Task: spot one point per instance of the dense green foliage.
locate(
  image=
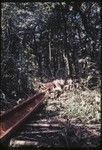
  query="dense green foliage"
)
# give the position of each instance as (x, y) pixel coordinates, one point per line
(49, 40)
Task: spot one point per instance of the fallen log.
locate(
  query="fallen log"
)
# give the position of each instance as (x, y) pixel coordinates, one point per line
(43, 125)
(41, 132)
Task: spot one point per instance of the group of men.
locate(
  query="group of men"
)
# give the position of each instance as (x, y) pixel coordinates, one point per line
(61, 84)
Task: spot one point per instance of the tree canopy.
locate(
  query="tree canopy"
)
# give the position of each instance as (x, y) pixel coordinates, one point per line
(49, 40)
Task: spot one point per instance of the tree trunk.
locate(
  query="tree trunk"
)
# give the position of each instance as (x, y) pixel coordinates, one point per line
(49, 45)
(67, 51)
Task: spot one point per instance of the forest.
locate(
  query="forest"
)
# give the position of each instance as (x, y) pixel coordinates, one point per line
(45, 41)
(49, 41)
